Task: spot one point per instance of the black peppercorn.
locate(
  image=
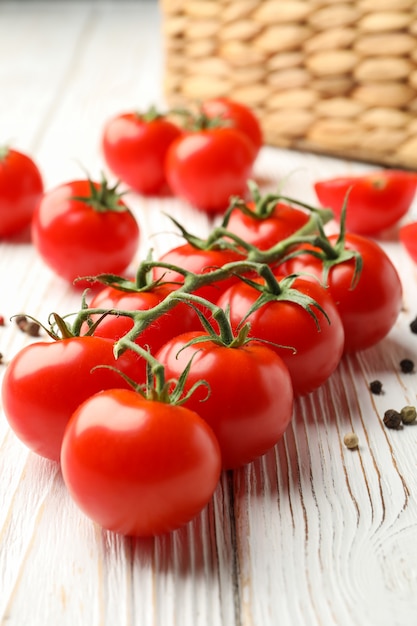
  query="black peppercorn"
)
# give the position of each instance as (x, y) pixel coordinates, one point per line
(376, 387)
(413, 326)
(392, 419)
(32, 329)
(408, 414)
(21, 321)
(407, 366)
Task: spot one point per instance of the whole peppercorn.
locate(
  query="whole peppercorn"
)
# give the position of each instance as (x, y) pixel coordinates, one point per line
(351, 441)
(21, 321)
(407, 366)
(413, 326)
(408, 414)
(376, 387)
(392, 419)
(32, 329)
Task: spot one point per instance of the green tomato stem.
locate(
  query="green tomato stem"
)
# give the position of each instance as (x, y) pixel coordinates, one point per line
(256, 262)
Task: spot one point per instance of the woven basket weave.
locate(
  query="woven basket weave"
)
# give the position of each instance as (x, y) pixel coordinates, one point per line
(325, 76)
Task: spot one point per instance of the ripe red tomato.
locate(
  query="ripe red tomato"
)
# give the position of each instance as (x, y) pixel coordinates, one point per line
(312, 353)
(206, 167)
(83, 228)
(265, 230)
(249, 405)
(376, 201)
(134, 147)
(21, 188)
(198, 261)
(239, 116)
(45, 382)
(179, 319)
(139, 467)
(408, 238)
(369, 310)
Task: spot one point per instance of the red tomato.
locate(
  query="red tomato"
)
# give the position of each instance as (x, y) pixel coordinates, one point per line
(134, 147)
(139, 467)
(45, 382)
(198, 261)
(207, 167)
(83, 228)
(249, 405)
(312, 354)
(408, 238)
(179, 319)
(21, 188)
(264, 231)
(376, 201)
(369, 310)
(239, 115)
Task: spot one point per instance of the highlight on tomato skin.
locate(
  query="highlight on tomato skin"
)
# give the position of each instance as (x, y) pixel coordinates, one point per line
(374, 201)
(139, 467)
(408, 238)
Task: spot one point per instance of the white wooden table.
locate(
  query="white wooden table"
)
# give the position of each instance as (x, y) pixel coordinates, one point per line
(311, 534)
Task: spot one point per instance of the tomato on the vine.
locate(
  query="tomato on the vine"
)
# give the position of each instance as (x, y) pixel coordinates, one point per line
(21, 188)
(177, 320)
(46, 381)
(309, 339)
(83, 228)
(250, 397)
(264, 230)
(374, 201)
(408, 238)
(238, 115)
(368, 302)
(139, 467)
(134, 146)
(207, 167)
(198, 261)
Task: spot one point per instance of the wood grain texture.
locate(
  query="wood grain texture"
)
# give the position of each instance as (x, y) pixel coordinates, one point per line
(312, 534)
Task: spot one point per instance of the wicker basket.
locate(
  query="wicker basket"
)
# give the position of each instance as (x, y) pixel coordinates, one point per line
(326, 76)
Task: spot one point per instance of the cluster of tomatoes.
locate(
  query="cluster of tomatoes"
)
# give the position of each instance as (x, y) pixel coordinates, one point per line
(191, 367)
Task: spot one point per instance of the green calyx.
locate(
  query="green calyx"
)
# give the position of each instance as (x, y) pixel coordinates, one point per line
(332, 254)
(197, 121)
(224, 335)
(273, 290)
(157, 388)
(150, 115)
(103, 197)
(58, 328)
(263, 206)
